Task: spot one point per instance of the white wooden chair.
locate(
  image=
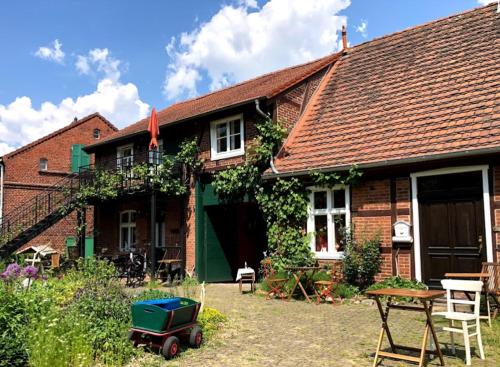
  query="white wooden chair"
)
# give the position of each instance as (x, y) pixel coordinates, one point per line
(452, 286)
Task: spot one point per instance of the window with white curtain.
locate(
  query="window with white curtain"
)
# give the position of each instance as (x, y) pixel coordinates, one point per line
(328, 213)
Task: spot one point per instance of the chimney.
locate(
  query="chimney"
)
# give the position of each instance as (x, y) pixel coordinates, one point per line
(75, 120)
(344, 39)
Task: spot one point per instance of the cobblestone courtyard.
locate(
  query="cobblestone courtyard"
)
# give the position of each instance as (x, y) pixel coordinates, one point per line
(275, 333)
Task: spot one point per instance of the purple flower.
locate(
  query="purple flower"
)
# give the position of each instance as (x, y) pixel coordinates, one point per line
(12, 272)
(30, 272)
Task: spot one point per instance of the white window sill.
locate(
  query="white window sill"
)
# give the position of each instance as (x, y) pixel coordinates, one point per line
(225, 155)
(329, 256)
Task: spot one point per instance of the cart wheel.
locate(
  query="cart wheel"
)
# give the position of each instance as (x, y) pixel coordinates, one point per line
(171, 347)
(196, 337)
(131, 338)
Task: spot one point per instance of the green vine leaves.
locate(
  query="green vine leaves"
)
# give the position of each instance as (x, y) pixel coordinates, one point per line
(283, 202)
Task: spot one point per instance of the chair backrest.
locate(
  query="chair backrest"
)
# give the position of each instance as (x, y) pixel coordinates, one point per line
(452, 285)
(492, 283)
(337, 272)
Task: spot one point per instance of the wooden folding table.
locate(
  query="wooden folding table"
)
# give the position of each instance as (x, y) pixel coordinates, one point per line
(297, 273)
(426, 298)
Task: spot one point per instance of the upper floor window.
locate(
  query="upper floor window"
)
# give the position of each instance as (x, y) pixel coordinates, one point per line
(328, 214)
(125, 156)
(226, 137)
(97, 134)
(43, 165)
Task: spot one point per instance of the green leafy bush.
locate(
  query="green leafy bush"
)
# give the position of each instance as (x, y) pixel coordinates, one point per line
(362, 260)
(398, 282)
(12, 336)
(151, 294)
(211, 321)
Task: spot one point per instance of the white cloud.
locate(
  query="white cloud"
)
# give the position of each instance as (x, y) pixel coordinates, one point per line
(242, 41)
(99, 60)
(5, 148)
(363, 28)
(55, 54)
(486, 2)
(21, 122)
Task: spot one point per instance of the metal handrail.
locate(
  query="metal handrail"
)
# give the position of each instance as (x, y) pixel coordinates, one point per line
(63, 192)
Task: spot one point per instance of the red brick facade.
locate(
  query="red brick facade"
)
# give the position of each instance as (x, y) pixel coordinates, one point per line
(286, 108)
(23, 179)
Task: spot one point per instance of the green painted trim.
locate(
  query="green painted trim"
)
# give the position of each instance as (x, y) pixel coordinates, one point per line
(199, 225)
(89, 247)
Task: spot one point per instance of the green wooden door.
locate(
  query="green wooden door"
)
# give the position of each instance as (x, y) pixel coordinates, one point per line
(212, 264)
(217, 266)
(78, 157)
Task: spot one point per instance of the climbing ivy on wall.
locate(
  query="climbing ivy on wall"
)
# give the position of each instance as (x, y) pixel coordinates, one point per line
(282, 201)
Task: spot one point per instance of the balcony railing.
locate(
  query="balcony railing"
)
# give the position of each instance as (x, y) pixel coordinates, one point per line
(130, 170)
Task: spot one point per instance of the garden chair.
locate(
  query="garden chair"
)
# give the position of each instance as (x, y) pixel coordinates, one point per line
(492, 288)
(327, 288)
(465, 318)
(276, 285)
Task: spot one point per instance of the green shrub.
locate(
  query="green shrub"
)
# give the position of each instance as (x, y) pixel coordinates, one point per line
(12, 337)
(398, 282)
(211, 321)
(346, 291)
(362, 260)
(150, 294)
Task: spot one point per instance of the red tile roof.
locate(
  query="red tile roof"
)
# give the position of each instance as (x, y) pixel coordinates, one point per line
(426, 91)
(58, 132)
(264, 86)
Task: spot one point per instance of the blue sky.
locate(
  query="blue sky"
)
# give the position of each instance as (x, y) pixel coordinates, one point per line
(63, 58)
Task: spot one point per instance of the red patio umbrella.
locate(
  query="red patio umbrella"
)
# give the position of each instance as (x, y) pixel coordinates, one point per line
(154, 130)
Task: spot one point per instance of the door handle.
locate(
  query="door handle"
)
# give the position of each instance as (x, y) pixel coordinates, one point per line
(480, 240)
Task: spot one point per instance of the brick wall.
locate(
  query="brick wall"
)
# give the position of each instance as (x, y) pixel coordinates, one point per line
(371, 216)
(290, 104)
(23, 180)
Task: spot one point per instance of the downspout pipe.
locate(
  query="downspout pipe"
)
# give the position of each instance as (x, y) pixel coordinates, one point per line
(265, 115)
(1, 189)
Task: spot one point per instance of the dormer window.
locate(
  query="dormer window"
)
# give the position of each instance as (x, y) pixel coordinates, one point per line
(227, 137)
(43, 164)
(97, 134)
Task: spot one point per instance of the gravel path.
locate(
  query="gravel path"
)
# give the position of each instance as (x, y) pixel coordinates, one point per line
(276, 333)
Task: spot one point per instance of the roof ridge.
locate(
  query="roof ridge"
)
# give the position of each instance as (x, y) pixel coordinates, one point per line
(421, 25)
(250, 80)
(61, 130)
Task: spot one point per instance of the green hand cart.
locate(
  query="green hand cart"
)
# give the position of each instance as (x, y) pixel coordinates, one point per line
(163, 323)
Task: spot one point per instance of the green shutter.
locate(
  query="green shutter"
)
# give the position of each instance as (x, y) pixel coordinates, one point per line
(78, 158)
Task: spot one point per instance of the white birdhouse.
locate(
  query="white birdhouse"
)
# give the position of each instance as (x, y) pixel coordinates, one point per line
(402, 232)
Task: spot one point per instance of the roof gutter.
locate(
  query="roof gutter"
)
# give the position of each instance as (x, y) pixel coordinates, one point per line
(266, 116)
(389, 163)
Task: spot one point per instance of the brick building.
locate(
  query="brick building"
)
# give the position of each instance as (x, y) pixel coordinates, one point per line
(35, 168)
(417, 111)
(215, 238)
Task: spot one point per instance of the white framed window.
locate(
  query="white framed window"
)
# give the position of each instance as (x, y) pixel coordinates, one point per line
(97, 134)
(160, 234)
(43, 165)
(127, 230)
(125, 156)
(155, 155)
(227, 137)
(328, 213)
